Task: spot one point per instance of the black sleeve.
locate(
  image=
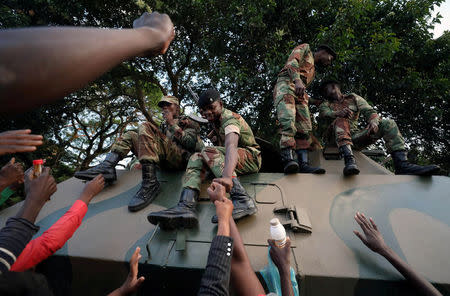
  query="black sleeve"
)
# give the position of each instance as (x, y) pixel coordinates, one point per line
(13, 238)
(216, 279)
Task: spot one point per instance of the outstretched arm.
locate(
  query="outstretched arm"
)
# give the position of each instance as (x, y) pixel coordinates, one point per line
(373, 239)
(231, 159)
(40, 65)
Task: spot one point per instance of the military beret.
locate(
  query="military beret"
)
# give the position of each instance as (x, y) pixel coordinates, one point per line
(168, 99)
(327, 49)
(208, 97)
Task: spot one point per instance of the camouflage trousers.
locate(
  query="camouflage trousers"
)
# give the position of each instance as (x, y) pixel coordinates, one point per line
(387, 129)
(213, 158)
(293, 116)
(155, 147)
(128, 141)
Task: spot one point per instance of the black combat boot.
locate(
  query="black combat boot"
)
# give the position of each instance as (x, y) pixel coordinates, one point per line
(289, 159)
(350, 164)
(305, 168)
(149, 188)
(183, 215)
(403, 167)
(106, 168)
(243, 204)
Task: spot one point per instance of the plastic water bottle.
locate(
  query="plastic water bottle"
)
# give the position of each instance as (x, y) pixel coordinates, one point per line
(278, 233)
(270, 272)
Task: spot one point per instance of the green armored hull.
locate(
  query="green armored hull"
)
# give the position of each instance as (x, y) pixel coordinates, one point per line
(411, 212)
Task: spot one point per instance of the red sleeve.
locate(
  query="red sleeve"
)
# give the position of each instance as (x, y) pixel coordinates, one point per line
(52, 239)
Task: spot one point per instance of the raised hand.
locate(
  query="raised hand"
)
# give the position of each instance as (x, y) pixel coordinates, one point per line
(372, 238)
(224, 209)
(19, 141)
(11, 173)
(160, 24)
(281, 257)
(92, 188)
(132, 283)
(216, 191)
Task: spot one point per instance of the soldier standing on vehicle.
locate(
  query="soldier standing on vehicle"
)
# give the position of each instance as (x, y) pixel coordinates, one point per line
(291, 103)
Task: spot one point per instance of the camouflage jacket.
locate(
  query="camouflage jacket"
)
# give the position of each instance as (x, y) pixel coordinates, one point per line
(184, 132)
(300, 65)
(234, 121)
(357, 104)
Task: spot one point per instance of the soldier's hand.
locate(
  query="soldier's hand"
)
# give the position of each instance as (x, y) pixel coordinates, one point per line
(11, 173)
(299, 88)
(227, 182)
(216, 191)
(372, 128)
(159, 24)
(168, 117)
(19, 141)
(372, 238)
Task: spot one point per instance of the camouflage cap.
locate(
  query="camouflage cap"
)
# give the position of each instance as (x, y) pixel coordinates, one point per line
(327, 49)
(208, 97)
(168, 99)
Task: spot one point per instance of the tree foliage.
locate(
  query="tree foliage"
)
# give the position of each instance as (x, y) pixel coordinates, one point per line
(386, 53)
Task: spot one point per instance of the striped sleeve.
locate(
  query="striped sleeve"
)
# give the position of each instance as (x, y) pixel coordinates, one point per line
(13, 238)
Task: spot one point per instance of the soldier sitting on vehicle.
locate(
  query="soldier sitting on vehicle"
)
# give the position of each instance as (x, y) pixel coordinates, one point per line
(344, 112)
(170, 146)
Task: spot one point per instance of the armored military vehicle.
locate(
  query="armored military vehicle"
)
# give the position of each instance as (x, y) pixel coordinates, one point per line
(317, 210)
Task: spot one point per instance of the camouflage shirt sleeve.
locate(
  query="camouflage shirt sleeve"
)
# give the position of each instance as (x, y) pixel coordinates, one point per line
(367, 111)
(326, 111)
(294, 62)
(187, 137)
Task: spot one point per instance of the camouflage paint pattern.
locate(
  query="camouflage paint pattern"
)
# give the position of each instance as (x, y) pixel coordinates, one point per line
(213, 158)
(345, 131)
(293, 111)
(128, 141)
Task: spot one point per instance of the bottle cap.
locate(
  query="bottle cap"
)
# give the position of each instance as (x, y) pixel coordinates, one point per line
(274, 222)
(38, 161)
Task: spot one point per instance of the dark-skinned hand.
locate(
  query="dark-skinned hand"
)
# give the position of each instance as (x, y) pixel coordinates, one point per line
(344, 113)
(19, 141)
(224, 209)
(299, 88)
(168, 117)
(227, 182)
(92, 188)
(40, 189)
(216, 191)
(11, 173)
(132, 283)
(161, 25)
(372, 128)
(372, 238)
(281, 257)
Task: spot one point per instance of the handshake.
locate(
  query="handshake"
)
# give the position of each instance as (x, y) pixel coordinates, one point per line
(224, 206)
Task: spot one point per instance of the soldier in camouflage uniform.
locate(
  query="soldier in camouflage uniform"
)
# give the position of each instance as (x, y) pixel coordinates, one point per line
(235, 153)
(343, 111)
(291, 103)
(169, 146)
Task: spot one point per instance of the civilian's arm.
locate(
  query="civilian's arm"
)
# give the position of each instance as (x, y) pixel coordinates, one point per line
(40, 65)
(373, 239)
